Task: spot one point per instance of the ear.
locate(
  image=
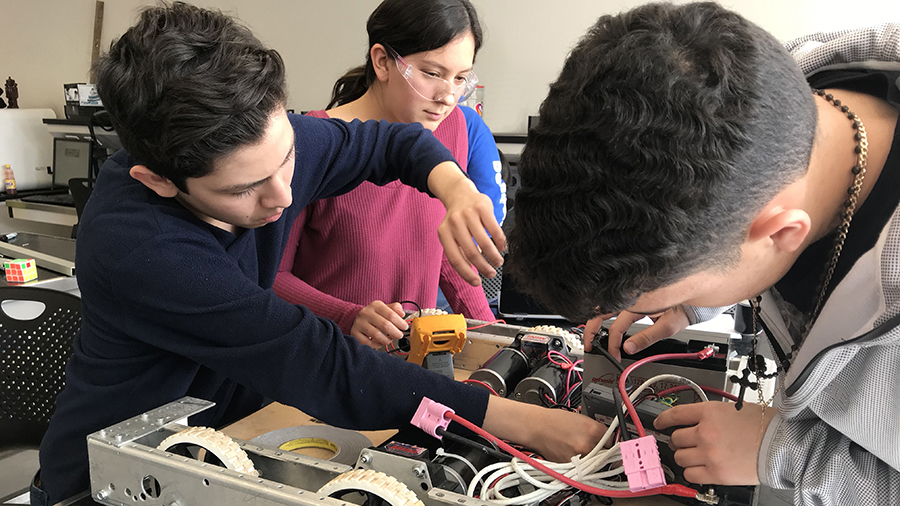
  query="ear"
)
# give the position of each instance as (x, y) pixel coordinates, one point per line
(787, 229)
(380, 61)
(162, 186)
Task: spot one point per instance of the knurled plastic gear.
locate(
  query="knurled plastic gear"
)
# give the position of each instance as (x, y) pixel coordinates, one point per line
(213, 441)
(374, 482)
(574, 341)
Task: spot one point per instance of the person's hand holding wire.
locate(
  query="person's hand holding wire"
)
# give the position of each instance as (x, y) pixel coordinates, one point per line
(708, 449)
(378, 324)
(665, 324)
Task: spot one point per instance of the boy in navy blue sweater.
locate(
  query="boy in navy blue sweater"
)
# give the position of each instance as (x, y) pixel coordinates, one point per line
(181, 239)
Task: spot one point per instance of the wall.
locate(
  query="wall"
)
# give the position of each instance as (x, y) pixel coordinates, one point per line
(47, 42)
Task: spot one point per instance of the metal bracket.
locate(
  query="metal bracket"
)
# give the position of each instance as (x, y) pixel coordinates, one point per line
(151, 421)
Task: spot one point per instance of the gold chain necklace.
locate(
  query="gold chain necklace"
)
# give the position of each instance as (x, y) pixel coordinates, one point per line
(755, 363)
(859, 173)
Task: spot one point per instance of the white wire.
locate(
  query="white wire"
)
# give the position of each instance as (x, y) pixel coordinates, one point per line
(440, 451)
(509, 474)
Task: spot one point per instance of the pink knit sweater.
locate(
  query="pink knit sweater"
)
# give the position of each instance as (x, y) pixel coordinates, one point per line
(376, 243)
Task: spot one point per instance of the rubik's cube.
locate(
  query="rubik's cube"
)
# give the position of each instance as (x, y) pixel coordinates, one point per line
(20, 270)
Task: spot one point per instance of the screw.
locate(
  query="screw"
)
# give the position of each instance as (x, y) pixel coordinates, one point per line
(518, 395)
(365, 458)
(101, 495)
(419, 471)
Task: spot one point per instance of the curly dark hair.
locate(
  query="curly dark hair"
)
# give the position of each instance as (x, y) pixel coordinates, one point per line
(668, 129)
(186, 87)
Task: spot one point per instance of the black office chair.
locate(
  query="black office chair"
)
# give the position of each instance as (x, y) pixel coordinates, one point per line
(33, 356)
(81, 189)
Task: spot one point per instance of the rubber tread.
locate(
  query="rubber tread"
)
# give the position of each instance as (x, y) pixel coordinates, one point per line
(575, 342)
(374, 482)
(213, 441)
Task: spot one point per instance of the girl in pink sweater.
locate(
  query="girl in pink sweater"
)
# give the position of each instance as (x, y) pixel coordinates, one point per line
(353, 258)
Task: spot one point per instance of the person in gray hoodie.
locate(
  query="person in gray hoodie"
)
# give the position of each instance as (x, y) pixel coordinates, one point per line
(685, 159)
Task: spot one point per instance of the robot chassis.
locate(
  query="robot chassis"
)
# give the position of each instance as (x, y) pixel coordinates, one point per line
(152, 458)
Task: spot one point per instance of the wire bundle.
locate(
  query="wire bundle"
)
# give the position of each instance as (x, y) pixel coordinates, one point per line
(572, 387)
(586, 474)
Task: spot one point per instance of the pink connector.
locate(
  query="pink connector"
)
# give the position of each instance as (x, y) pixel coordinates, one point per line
(430, 416)
(640, 458)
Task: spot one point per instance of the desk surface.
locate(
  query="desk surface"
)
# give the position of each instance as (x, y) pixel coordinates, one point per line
(31, 193)
(278, 416)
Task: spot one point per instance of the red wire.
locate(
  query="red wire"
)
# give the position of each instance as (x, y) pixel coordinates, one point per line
(485, 324)
(677, 490)
(565, 364)
(479, 382)
(700, 355)
(571, 385)
(716, 391)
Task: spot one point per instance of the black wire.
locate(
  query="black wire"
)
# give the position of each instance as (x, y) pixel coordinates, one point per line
(474, 444)
(402, 344)
(414, 304)
(617, 398)
(612, 359)
(575, 395)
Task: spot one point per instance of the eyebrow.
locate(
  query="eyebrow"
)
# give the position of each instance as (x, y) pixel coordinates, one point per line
(441, 67)
(238, 188)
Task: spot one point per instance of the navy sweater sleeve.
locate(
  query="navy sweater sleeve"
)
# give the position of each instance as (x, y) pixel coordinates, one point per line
(210, 316)
(334, 157)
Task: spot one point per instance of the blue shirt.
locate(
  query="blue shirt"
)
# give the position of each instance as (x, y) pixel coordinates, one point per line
(484, 162)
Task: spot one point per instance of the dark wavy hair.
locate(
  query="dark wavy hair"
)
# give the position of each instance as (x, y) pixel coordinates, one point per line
(186, 87)
(408, 26)
(668, 129)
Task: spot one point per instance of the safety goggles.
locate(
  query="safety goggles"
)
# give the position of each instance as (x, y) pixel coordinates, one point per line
(432, 87)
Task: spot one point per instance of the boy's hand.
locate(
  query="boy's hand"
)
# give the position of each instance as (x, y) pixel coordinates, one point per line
(378, 324)
(470, 215)
(592, 327)
(665, 324)
(721, 444)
